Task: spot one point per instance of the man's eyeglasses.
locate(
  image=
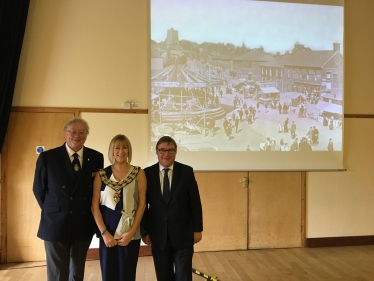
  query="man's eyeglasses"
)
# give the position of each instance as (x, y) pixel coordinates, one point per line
(74, 133)
(163, 151)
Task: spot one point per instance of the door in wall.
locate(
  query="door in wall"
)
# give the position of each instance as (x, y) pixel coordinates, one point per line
(224, 201)
(275, 210)
(266, 214)
(26, 131)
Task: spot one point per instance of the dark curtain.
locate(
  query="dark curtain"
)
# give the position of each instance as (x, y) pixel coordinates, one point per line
(13, 17)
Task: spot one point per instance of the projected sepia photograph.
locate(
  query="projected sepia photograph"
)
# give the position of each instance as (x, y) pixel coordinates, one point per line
(255, 76)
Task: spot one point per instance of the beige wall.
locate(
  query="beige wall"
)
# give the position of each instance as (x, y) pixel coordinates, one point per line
(340, 204)
(86, 53)
(95, 54)
(358, 47)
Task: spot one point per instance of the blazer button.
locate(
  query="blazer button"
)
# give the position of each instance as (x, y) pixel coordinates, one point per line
(63, 186)
(71, 198)
(71, 212)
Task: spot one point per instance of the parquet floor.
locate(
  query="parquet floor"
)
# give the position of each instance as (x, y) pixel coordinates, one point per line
(318, 264)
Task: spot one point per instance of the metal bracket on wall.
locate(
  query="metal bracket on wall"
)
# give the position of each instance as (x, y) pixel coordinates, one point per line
(244, 182)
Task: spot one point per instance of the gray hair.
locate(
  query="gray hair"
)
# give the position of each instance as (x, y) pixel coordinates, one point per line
(76, 120)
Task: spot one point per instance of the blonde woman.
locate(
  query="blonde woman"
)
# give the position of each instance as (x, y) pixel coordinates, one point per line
(118, 204)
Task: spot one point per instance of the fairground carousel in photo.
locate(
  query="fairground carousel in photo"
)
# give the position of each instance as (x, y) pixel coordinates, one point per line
(184, 100)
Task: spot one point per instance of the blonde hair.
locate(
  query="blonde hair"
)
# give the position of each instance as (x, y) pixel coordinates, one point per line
(123, 141)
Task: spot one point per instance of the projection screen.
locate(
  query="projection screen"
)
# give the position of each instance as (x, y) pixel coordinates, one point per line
(246, 85)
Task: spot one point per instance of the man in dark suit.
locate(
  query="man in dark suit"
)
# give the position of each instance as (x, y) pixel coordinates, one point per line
(172, 222)
(63, 188)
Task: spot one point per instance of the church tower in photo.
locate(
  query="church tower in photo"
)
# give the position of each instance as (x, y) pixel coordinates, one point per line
(172, 37)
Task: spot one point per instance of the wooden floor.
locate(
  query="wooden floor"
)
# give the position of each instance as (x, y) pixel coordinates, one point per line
(322, 264)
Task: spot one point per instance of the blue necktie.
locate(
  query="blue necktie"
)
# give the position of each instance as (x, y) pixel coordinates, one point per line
(166, 185)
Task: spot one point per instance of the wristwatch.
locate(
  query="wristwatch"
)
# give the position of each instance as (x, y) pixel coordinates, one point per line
(102, 232)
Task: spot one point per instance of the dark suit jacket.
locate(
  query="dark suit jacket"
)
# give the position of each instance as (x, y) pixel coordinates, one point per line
(181, 216)
(65, 202)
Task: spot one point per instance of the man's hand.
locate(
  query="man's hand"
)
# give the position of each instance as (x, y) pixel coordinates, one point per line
(197, 236)
(147, 240)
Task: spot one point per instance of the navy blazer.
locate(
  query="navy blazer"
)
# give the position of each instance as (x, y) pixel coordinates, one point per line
(65, 202)
(181, 216)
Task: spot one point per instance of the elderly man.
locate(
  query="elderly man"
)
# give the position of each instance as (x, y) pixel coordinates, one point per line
(63, 186)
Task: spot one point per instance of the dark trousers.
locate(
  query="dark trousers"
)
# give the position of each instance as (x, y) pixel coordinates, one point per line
(169, 258)
(66, 262)
(119, 262)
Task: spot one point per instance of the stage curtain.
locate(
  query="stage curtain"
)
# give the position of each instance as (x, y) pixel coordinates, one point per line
(13, 17)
